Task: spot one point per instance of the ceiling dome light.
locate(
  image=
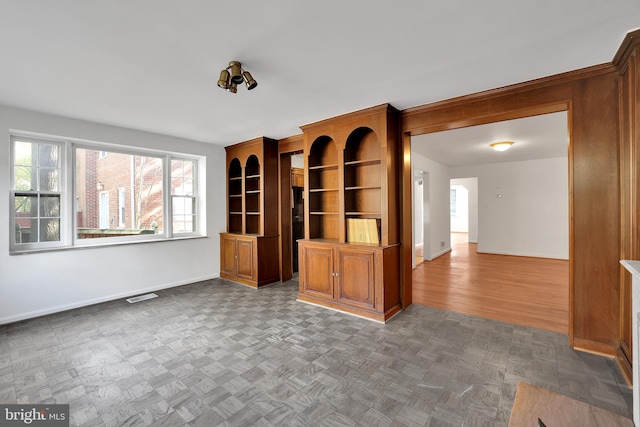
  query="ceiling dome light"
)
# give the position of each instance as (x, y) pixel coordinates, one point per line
(502, 145)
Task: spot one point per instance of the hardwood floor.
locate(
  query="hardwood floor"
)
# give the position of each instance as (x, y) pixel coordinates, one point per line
(521, 290)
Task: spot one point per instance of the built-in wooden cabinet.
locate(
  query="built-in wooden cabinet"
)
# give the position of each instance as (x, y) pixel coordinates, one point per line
(356, 278)
(351, 167)
(249, 249)
(246, 258)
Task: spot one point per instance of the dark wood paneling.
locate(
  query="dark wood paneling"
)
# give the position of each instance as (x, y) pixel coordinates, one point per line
(629, 100)
(596, 205)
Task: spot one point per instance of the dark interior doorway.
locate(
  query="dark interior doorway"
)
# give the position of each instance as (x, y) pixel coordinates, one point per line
(297, 222)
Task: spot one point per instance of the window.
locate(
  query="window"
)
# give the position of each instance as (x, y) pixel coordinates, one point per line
(183, 197)
(113, 176)
(120, 194)
(36, 192)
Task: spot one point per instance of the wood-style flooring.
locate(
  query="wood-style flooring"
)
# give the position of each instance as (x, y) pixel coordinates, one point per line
(522, 290)
(218, 353)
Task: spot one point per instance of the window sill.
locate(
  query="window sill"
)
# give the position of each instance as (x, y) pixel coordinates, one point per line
(103, 245)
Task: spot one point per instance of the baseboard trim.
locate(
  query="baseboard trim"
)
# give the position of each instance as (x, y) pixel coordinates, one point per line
(593, 347)
(85, 303)
(625, 367)
(524, 254)
(439, 254)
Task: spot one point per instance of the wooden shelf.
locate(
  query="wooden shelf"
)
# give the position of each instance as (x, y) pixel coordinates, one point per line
(235, 178)
(331, 166)
(252, 176)
(376, 215)
(364, 187)
(252, 192)
(322, 213)
(320, 190)
(363, 162)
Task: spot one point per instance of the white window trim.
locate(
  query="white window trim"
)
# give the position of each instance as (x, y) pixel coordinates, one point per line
(122, 223)
(68, 225)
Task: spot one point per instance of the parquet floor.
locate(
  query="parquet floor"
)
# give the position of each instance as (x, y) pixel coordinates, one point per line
(218, 353)
(522, 290)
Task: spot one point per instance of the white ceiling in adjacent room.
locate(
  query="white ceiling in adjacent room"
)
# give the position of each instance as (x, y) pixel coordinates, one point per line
(537, 137)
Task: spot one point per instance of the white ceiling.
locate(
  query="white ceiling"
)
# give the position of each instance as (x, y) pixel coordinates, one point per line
(537, 137)
(153, 64)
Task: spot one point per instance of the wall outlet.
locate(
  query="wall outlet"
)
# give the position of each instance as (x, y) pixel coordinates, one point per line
(442, 244)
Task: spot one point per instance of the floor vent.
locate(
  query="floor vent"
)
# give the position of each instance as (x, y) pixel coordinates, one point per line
(141, 298)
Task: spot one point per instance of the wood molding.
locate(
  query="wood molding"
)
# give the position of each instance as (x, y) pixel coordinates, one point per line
(518, 88)
(625, 367)
(291, 144)
(356, 116)
(629, 43)
(593, 347)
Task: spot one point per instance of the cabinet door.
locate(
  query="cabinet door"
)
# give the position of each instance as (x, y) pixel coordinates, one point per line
(355, 282)
(228, 255)
(246, 259)
(317, 272)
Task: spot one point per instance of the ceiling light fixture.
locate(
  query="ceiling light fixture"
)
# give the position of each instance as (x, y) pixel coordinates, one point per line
(234, 75)
(502, 145)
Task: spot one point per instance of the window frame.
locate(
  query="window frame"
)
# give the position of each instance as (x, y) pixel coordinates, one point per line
(62, 193)
(68, 194)
(195, 177)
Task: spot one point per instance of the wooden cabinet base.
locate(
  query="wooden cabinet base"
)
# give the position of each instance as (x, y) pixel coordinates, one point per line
(368, 314)
(251, 283)
(360, 279)
(251, 260)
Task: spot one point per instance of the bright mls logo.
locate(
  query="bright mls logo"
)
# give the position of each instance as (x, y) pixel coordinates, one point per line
(34, 415)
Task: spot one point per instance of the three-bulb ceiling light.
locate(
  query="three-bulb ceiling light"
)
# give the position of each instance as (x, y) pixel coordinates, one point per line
(234, 75)
(501, 146)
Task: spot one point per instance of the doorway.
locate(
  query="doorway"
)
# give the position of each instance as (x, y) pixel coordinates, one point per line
(297, 207)
(523, 210)
(291, 204)
(463, 200)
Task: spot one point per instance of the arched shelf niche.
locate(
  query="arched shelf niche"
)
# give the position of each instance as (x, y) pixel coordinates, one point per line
(323, 189)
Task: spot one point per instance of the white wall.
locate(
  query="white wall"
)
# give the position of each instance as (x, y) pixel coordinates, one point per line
(471, 185)
(41, 283)
(523, 207)
(437, 214)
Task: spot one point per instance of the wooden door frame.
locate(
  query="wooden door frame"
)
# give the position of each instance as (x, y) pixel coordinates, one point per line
(286, 147)
(474, 120)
